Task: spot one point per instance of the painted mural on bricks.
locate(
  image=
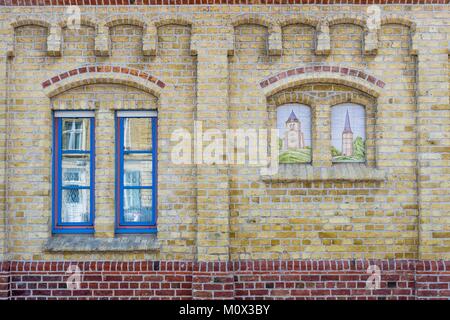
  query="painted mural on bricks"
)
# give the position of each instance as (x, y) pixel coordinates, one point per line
(348, 133)
(294, 129)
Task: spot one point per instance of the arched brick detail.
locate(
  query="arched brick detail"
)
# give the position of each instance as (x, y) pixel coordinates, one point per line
(102, 41)
(370, 35)
(273, 26)
(84, 21)
(350, 97)
(102, 74)
(151, 34)
(118, 20)
(299, 19)
(172, 19)
(323, 73)
(31, 21)
(286, 97)
(355, 19)
(401, 20)
(396, 19)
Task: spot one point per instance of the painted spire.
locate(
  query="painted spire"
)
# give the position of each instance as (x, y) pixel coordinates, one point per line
(347, 127)
(292, 117)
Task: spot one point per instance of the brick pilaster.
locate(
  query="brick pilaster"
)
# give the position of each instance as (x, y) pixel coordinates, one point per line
(212, 178)
(433, 145)
(3, 135)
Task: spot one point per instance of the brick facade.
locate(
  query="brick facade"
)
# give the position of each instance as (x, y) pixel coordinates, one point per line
(262, 279)
(226, 230)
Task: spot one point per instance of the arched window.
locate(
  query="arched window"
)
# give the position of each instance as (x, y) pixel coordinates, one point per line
(348, 133)
(294, 125)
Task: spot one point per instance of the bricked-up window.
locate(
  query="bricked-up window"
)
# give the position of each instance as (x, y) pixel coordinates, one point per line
(348, 133)
(136, 182)
(73, 172)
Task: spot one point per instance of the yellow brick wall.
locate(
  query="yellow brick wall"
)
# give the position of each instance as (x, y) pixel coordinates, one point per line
(228, 211)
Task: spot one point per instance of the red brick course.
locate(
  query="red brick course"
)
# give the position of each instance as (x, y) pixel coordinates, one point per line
(209, 2)
(265, 279)
(317, 69)
(103, 69)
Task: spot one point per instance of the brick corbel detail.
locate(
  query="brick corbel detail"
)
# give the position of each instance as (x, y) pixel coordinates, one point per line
(102, 40)
(10, 41)
(54, 40)
(371, 41)
(323, 43)
(149, 40)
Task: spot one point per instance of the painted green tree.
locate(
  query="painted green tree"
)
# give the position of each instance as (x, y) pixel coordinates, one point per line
(359, 152)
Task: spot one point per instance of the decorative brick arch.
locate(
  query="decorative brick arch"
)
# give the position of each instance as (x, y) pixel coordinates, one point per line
(403, 21)
(273, 26)
(102, 41)
(25, 21)
(172, 19)
(102, 74)
(355, 19)
(118, 20)
(396, 19)
(299, 19)
(151, 36)
(84, 21)
(351, 77)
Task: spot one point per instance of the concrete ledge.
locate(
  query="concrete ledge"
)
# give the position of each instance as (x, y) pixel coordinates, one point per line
(338, 172)
(77, 243)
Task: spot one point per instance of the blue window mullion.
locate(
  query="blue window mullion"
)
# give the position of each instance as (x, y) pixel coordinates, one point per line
(72, 187)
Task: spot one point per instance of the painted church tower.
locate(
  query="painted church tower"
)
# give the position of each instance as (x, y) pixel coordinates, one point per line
(293, 135)
(347, 138)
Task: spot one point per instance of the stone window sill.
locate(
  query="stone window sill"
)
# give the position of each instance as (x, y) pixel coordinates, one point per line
(337, 172)
(88, 243)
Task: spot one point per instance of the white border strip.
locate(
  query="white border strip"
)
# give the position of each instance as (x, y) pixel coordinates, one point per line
(74, 114)
(137, 114)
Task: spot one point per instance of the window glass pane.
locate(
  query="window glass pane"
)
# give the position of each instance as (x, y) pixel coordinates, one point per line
(75, 134)
(137, 170)
(137, 205)
(137, 133)
(75, 170)
(75, 205)
(348, 133)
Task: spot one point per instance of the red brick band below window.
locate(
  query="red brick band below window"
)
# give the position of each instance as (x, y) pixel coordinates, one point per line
(103, 69)
(316, 69)
(209, 2)
(275, 279)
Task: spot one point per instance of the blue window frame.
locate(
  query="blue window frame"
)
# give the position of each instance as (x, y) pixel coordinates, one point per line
(73, 196)
(136, 171)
